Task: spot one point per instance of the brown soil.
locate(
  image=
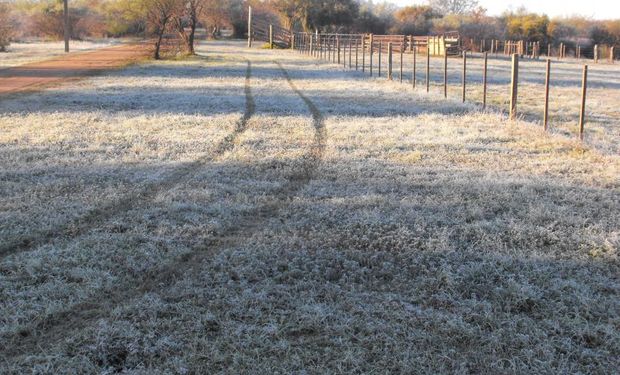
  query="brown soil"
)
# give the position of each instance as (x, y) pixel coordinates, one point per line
(56, 71)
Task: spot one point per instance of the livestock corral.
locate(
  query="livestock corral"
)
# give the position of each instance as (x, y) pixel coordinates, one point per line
(252, 210)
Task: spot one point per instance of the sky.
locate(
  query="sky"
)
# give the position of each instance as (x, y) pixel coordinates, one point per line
(598, 9)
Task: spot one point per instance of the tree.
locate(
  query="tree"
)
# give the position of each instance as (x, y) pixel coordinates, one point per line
(290, 11)
(600, 35)
(453, 6)
(124, 17)
(374, 18)
(188, 15)
(160, 15)
(316, 14)
(333, 14)
(48, 19)
(475, 25)
(5, 26)
(413, 20)
(613, 29)
(528, 26)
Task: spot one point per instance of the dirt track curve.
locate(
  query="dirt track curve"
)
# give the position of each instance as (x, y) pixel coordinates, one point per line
(58, 326)
(104, 211)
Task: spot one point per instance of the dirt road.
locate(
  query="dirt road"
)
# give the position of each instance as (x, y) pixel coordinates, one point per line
(51, 72)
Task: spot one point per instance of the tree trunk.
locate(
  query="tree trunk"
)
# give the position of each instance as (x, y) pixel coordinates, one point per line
(190, 39)
(160, 35)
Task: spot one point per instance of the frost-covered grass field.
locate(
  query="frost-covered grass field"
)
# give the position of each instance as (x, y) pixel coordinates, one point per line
(602, 110)
(252, 211)
(27, 52)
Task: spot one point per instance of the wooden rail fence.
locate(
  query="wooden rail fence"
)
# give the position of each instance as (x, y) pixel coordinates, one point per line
(357, 51)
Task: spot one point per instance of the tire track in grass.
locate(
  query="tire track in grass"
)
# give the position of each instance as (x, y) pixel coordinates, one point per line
(62, 324)
(98, 215)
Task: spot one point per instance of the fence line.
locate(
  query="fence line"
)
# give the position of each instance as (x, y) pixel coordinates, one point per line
(316, 44)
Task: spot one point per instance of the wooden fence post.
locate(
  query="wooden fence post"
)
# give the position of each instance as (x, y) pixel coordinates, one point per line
(357, 45)
(514, 85)
(484, 81)
(250, 27)
(548, 49)
(464, 74)
(415, 50)
(270, 36)
(389, 51)
(329, 49)
(428, 64)
(364, 54)
(578, 52)
(547, 80)
(338, 48)
(379, 62)
(371, 53)
(324, 45)
(596, 53)
(445, 75)
(611, 54)
(582, 112)
(402, 47)
(350, 52)
(563, 51)
(318, 43)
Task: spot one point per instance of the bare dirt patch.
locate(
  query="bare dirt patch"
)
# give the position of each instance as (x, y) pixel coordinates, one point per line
(58, 70)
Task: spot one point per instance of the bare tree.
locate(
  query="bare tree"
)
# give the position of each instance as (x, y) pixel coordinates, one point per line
(189, 13)
(453, 6)
(160, 16)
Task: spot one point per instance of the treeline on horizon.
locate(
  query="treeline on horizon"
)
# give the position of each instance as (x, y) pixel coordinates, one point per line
(21, 19)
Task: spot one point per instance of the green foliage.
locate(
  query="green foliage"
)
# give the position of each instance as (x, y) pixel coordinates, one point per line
(123, 17)
(528, 26)
(316, 14)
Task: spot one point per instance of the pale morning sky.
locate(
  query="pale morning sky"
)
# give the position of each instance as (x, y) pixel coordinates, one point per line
(599, 9)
